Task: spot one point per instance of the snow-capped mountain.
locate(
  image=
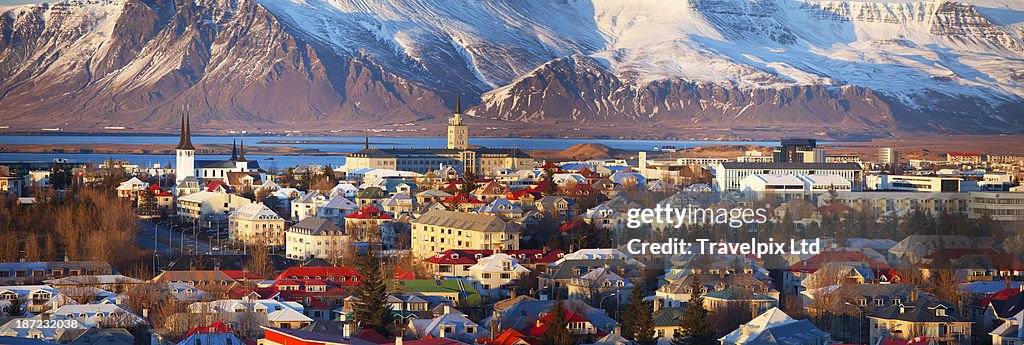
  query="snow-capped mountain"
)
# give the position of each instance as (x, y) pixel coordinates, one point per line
(869, 66)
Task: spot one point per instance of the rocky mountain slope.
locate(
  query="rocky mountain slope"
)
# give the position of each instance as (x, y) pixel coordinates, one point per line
(869, 66)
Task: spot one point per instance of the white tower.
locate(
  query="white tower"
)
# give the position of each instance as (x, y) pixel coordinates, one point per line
(185, 153)
(458, 134)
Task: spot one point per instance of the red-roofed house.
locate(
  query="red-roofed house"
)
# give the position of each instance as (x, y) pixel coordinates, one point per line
(367, 216)
(456, 262)
(215, 334)
(463, 202)
(510, 337)
(578, 326)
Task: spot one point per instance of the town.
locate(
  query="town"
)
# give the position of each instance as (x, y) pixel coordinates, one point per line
(492, 246)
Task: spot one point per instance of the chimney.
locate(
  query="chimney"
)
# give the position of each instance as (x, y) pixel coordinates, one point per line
(913, 295)
(398, 340)
(657, 304)
(447, 310)
(494, 328)
(512, 293)
(346, 331)
(442, 330)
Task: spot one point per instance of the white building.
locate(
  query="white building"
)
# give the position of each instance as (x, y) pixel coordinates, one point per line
(315, 238)
(203, 205)
(909, 183)
(307, 205)
(794, 184)
(497, 275)
(775, 327)
(888, 155)
(336, 209)
(729, 174)
(255, 223)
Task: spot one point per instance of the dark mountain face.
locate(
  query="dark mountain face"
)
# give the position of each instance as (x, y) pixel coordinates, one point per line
(234, 64)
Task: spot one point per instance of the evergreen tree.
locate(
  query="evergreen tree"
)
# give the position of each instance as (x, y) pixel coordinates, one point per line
(632, 315)
(558, 326)
(371, 307)
(549, 178)
(696, 328)
(468, 182)
(14, 309)
(147, 203)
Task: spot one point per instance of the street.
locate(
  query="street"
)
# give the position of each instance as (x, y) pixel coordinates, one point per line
(170, 243)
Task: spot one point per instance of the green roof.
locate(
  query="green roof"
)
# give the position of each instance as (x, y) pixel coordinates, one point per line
(668, 317)
(470, 295)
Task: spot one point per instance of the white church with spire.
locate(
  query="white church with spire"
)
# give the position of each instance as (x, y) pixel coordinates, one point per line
(192, 174)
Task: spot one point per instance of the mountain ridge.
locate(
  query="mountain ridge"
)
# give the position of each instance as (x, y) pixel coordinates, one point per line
(873, 67)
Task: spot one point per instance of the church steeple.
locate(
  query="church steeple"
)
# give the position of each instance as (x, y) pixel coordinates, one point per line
(234, 151)
(458, 134)
(185, 139)
(241, 150)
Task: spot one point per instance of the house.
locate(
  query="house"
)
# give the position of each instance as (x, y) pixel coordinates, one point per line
(925, 317)
(336, 209)
(502, 208)
(599, 284)
(195, 278)
(558, 206)
(255, 223)
(453, 325)
(371, 196)
(498, 275)
(164, 200)
(307, 205)
(216, 333)
(204, 205)
(455, 263)
(315, 237)
(131, 189)
(775, 327)
(345, 189)
(368, 218)
(291, 336)
(666, 322)
(1010, 332)
(559, 274)
(37, 272)
(440, 230)
(33, 298)
(603, 217)
(578, 324)
(115, 283)
(431, 195)
(490, 191)
(463, 202)
(721, 299)
(399, 203)
(523, 314)
(244, 180)
(262, 312)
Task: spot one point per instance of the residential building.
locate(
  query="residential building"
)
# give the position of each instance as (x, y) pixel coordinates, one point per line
(937, 321)
(498, 275)
(963, 158)
(131, 189)
(753, 157)
(315, 237)
(888, 156)
(205, 207)
(307, 205)
(775, 327)
(336, 209)
(255, 223)
(440, 230)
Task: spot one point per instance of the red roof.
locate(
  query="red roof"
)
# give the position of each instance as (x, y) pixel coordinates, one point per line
(542, 187)
(216, 327)
(572, 224)
(400, 275)
(462, 198)
(372, 336)
(509, 337)
(1002, 295)
(451, 188)
(213, 186)
(369, 212)
(320, 273)
(586, 172)
(541, 326)
(814, 263)
(914, 341)
(519, 194)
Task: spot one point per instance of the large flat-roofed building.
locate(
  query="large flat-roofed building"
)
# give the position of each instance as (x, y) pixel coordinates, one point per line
(799, 151)
(902, 202)
(1004, 207)
(729, 174)
(457, 154)
(909, 183)
(441, 230)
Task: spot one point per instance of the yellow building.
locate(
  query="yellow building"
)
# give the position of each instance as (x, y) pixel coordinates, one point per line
(256, 224)
(440, 230)
(458, 154)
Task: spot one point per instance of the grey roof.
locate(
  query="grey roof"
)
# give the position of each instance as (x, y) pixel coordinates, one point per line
(1009, 307)
(315, 225)
(466, 221)
(565, 269)
(524, 313)
(920, 311)
(794, 165)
